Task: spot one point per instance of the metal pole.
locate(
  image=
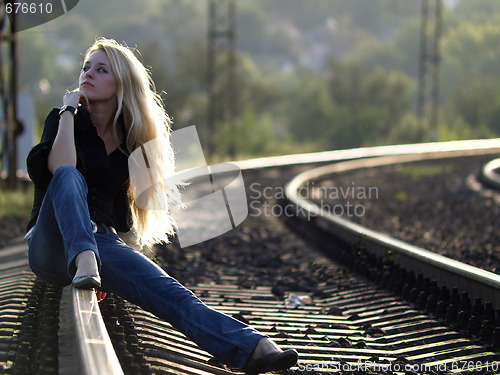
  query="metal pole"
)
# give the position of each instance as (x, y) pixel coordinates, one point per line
(13, 105)
(220, 71)
(8, 91)
(211, 69)
(430, 59)
(423, 58)
(231, 100)
(436, 65)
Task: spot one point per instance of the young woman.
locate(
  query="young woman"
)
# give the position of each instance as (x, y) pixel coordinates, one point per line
(83, 197)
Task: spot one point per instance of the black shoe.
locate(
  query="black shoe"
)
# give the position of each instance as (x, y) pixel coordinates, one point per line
(87, 282)
(275, 361)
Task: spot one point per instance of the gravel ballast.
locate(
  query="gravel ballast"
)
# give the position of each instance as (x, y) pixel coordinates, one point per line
(437, 205)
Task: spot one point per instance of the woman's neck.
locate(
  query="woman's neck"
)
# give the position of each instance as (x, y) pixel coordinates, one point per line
(102, 118)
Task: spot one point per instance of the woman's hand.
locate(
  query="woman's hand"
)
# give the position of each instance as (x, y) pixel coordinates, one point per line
(75, 97)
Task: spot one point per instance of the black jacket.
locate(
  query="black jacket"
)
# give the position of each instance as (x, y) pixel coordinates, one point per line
(106, 175)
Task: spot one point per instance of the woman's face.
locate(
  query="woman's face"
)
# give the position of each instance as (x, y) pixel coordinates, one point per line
(97, 80)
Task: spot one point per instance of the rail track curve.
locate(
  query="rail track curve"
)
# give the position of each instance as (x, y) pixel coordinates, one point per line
(491, 174)
(477, 282)
(86, 324)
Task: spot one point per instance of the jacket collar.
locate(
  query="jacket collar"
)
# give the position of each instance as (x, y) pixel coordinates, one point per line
(83, 121)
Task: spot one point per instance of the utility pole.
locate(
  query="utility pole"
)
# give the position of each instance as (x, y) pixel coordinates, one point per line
(430, 59)
(8, 91)
(221, 72)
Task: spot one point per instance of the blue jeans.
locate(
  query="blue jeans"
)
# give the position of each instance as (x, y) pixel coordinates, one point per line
(64, 229)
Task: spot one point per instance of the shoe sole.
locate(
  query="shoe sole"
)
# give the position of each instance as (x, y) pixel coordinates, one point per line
(86, 282)
(287, 359)
(274, 362)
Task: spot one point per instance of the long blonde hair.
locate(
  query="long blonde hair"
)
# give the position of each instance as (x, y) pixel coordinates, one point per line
(145, 119)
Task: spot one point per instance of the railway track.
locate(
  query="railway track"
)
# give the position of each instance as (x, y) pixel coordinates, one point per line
(491, 174)
(351, 314)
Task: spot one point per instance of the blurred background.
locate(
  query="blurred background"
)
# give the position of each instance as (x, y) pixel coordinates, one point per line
(308, 76)
(269, 77)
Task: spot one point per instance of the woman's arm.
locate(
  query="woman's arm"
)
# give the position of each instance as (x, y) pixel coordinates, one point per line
(63, 150)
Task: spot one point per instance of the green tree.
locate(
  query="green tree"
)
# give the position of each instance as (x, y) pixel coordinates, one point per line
(349, 106)
(470, 50)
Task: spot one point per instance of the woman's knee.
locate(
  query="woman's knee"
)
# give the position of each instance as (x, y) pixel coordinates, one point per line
(59, 281)
(68, 174)
(65, 170)
(48, 273)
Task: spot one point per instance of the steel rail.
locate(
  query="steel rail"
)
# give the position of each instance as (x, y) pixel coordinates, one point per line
(476, 282)
(489, 174)
(84, 343)
(368, 152)
(96, 353)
